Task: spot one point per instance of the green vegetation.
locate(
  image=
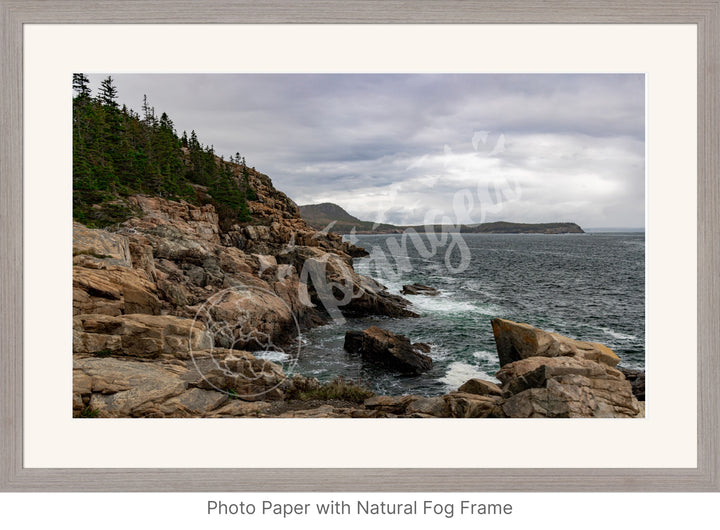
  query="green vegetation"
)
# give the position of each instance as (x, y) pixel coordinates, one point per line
(118, 153)
(338, 389)
(89, 412)
(232, 393)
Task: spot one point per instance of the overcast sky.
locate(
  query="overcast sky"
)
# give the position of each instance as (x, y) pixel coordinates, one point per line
(400, 148)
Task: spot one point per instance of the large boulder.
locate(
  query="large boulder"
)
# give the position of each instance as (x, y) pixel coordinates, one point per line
(170, 242)
(113, 290)
(565, 387)
(240, 374)
(193, 403)
(452, 405)
(480, 387)
(468, 405)
(139, 335)
(178, 217)
(248, 318)
(97, 248)
(390, 404)
(547, 375)
(216, 382)
(111, 387)
(516, 341)
(388, 349)
(437, 407)
(104, 278)
(238, 409)
(329, 283)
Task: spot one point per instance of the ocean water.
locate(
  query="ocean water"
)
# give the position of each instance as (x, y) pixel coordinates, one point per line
(585, 286)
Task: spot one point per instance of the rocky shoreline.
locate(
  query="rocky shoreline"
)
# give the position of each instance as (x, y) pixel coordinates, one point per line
(554, 377)
(166, 304)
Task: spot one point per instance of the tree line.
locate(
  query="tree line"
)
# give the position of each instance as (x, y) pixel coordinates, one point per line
(118, 152)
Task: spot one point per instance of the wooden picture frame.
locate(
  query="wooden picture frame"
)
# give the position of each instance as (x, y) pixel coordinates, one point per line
(15, 13)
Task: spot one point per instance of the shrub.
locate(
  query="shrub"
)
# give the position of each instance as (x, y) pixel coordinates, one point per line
(339, 389)
(89, 412)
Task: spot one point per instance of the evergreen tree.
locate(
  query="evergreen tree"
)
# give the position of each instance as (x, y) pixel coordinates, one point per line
(116, 153)
(249, 191)
(108, 93)
(81, 85)
(148, 112)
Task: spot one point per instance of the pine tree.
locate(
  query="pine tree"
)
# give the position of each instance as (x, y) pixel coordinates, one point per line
(250, 193)
(117, 153)
(81, 85)
(111, 135)
(148, 112)
(108, 93)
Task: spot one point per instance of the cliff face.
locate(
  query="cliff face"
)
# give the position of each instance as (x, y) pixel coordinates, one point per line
(171, 283)
(174, 256)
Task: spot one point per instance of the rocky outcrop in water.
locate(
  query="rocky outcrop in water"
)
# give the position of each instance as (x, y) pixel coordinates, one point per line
(548, 375)
(417, 288)
(565, 387)
(388, 349)
(544, 375)
(516, 341)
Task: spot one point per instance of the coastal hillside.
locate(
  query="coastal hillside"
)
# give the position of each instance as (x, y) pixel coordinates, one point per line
(329, 211)
(205, 225)
(333, 218)
(189, 256)
(118, 153)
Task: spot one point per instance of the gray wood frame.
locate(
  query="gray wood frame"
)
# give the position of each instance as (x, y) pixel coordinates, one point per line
(14, 13)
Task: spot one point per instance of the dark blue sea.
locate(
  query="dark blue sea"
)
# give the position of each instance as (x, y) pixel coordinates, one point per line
(586, 286)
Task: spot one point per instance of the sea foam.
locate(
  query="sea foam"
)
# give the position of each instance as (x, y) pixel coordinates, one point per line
(459, 373)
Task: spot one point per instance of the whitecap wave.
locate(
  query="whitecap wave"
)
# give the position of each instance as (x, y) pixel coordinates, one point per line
(459, 373)
(448, 304)
(442, 304)
(274, 356)
(438, 353)
(487, 356)
(618, 335)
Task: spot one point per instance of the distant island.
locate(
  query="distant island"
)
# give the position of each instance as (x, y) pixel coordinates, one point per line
(327, 214)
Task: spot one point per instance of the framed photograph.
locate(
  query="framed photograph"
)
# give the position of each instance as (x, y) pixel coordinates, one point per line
(462, 246)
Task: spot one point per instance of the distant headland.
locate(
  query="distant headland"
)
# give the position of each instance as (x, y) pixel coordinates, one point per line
(324, 215)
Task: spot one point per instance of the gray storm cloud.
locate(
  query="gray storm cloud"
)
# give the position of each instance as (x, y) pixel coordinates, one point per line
(399, 148)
